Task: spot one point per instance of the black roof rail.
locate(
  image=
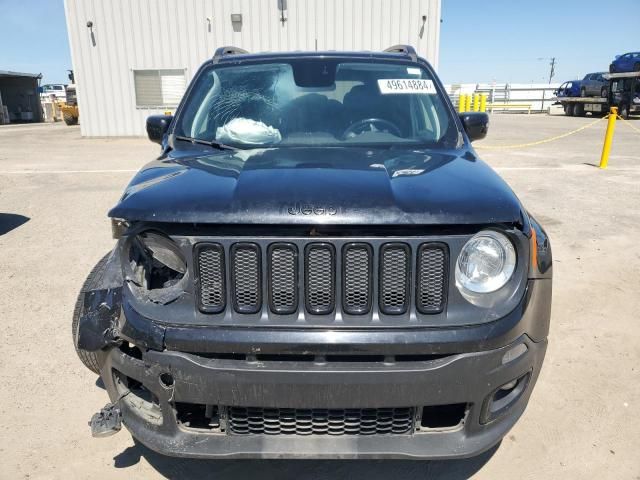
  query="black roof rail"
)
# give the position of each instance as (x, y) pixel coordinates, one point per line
(230, 50)
(408, 49)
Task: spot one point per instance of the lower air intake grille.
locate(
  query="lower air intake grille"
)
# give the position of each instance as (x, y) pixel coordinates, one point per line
(431, 278)
(290, 421)
(245, 258)
(394, 278)
(211, 273)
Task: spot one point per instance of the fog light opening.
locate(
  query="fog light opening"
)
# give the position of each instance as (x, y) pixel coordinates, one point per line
(504, 397)
(443, 416)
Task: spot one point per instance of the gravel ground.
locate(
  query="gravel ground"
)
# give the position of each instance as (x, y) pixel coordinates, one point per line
(55, 190)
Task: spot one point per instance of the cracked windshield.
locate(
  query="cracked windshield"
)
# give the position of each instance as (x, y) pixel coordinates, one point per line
(318, 103)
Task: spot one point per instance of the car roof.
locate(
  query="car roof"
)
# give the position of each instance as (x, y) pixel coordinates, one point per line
(316, 54)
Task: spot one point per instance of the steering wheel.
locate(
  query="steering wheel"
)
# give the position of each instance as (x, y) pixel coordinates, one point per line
(360, 127)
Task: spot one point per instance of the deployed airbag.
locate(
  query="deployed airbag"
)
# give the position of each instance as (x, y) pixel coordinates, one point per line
(247, 131)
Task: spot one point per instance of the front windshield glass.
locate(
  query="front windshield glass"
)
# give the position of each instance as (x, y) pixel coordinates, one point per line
(318, 102)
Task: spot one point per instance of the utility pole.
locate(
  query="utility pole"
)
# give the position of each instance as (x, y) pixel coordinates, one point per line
(553, 68)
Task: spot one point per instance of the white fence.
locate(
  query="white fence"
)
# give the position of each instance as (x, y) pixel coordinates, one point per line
(538, 95)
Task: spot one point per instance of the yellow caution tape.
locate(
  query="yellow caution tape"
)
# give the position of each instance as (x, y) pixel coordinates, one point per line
(626, 122)
(545, 140)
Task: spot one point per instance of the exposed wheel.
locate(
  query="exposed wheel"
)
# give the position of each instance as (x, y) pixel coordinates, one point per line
(636, 67)
(578, 110)
(568, 109)
(604, 92)
(583, 92)
(70, 119)
(89, 359)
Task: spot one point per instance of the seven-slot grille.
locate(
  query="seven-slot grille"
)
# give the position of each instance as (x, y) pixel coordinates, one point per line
(316, 278)
(294, 421)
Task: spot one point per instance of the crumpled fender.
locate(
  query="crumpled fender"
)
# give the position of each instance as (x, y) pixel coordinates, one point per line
(101, 307)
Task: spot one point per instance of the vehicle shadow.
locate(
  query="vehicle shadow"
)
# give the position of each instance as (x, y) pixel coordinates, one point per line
(11, 221)
(180, 468)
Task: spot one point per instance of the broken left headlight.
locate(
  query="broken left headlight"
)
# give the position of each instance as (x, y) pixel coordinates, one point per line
(154, 266)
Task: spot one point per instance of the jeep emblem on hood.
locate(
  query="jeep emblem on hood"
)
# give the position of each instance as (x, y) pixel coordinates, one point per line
(308, 209)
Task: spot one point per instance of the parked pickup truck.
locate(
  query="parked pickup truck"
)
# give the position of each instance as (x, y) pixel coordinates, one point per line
(318, 264)
(623, 92)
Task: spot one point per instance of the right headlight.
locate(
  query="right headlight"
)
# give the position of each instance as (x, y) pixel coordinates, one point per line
(485, 264)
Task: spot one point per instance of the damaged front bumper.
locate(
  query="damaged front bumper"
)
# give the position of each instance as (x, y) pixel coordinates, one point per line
(272, 393)
(165, 397)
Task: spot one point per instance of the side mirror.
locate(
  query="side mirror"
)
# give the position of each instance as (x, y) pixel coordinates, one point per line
(157, 126)
(476, 125)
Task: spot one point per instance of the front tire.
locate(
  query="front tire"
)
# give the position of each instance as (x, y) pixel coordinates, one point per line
(583, 92)
(604, 92)
(89, 359)
(578, 110)
(636, 67)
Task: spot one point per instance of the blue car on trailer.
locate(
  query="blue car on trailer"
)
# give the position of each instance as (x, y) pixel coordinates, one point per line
(569, 89)
(629, 62)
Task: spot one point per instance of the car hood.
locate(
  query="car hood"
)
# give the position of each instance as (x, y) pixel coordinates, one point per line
(345, 185)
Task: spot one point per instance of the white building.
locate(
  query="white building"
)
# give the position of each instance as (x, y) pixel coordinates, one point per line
(134, 58)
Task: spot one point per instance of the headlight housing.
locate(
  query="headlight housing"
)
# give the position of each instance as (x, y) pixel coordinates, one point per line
(485, 264)
(155, 266)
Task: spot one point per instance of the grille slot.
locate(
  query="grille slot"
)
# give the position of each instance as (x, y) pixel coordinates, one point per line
(394, 278)
(320, 274)
(357, 273)
(246, 277)
(350, 421)
(283, 278)
(211, 275)
(431, 281)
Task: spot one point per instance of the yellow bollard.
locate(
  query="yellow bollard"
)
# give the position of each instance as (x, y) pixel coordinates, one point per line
(476, 102)
(483, 103)
(608, 137)
(467, 106)
(462, 102)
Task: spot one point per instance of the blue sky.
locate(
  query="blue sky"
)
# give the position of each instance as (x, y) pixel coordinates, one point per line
(501, 40)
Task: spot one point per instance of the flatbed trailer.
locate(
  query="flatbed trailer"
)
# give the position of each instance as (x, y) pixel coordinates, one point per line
(623, 92)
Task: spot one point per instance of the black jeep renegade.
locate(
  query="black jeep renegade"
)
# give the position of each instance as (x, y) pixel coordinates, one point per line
(317, 265)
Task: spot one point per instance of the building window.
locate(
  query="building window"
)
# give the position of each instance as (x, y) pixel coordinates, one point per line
(158, 88)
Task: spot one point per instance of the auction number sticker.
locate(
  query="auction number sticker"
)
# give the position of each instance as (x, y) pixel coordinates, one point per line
(406, 85)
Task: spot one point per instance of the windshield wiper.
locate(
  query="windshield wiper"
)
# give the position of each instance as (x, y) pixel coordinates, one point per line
(210, 143)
